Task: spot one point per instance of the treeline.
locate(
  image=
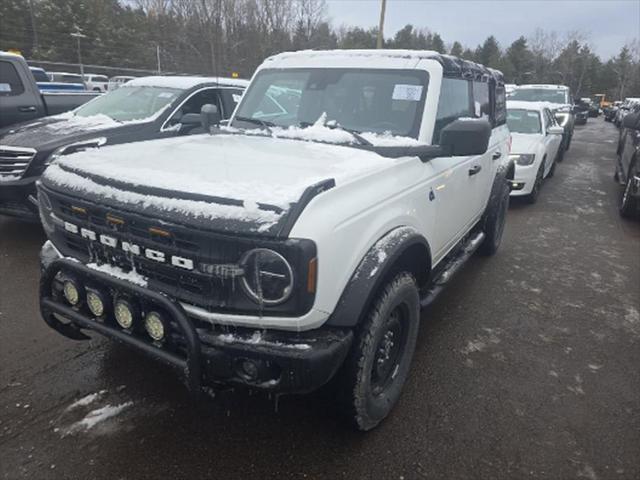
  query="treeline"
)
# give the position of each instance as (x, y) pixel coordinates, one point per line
(223, 36)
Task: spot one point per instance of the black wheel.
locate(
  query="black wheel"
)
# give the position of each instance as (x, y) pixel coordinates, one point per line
(494, 219)
(628, 206)
(533, 196)
(371, 379)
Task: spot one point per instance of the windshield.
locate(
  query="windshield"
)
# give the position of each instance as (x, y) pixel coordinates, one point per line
(362, 100)
(130, 103)
(540, 95)
(40, 76)
(524, 121)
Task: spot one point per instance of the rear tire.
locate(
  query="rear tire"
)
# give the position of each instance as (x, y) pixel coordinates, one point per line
(628, 205)
(494, 220)
(371, 379)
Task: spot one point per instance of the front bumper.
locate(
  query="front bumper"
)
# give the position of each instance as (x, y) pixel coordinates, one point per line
(206, 354)
(14, 198)
(524, 179)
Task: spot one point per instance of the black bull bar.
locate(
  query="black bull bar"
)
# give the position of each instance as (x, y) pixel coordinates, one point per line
(190, 366)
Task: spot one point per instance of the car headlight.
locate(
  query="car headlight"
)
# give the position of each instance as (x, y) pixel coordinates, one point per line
(562, 118)
(268, 276)
(523, 159)
(74, 148)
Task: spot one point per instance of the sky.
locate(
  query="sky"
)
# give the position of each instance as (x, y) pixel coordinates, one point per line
(608, 24)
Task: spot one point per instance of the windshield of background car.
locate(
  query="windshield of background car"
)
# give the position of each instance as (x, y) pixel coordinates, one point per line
(524, 121)
(364, 100)
(540, 95)
(130, 103)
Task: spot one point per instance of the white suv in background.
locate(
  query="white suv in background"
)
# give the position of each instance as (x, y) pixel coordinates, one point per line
(96, 83)
(535, 148)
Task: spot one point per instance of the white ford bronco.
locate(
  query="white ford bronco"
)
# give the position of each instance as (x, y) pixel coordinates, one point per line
(295, 246)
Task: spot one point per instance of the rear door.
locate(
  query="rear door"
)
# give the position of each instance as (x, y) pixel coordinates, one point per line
(18, 100)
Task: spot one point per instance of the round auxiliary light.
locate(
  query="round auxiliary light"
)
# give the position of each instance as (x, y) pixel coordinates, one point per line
(71, 292)
(124, 313)
(96, 301)
(154, 325)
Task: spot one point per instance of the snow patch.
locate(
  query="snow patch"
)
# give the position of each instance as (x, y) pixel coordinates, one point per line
(183, 82)
(257, 339)
(86, 400)
(97, 416)
(132, 276)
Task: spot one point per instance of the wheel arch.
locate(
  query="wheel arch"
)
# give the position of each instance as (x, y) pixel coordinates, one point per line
(400, 249)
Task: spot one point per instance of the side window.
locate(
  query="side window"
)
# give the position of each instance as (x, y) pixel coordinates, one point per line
(195, 102)
(500, 115)
(455, 102)
(548, 120)
(10, 83)
(481, 100)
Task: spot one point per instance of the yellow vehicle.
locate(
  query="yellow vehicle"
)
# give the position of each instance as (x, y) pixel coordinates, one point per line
(599, 99)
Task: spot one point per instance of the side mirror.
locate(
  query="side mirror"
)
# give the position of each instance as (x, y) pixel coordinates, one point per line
(632, 121)
(466, 136)
(555, 130)
(209, 116)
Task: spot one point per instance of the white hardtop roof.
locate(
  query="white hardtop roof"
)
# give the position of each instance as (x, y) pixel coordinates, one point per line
(350, 58)
(522, 105)
(184, 83)
(549, 86)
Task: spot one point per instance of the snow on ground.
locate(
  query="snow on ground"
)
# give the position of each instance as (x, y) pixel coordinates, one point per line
(86, 400)
(97, 416)
(132, 276)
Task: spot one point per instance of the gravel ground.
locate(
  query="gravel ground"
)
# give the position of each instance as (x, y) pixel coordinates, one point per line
(527, 367)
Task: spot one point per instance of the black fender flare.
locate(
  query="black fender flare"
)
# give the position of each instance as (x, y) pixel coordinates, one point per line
(401, 248)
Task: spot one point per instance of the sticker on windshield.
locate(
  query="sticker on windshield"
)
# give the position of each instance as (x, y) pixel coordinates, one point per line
(5, 87)
(412, 93)
(236, 97)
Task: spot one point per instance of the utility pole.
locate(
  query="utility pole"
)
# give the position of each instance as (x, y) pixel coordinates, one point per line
(78, 35)
(383, 7)
(34, 29)
(158, 57)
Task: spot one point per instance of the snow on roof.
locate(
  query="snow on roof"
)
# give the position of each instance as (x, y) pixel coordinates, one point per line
(547, 86)
(382, 53)
(523, 105)
(184, 83)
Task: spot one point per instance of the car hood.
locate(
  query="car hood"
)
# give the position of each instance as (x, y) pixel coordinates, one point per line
(227, 182)
(524, 142)
(48, 133)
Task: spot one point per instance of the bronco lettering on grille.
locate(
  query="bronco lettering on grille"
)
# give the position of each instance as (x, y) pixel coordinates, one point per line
(129, 247)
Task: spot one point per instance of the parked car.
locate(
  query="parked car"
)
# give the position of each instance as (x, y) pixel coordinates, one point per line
(611, 111)
(560, 97)
(148, 108)
(628, 164)
(46, 85)
(288, 250)
(73, 79)
(20, 98)
(96, 83)
(116, 82)
(593, 107)
(580, 111)
(625, 108)
(536, 146)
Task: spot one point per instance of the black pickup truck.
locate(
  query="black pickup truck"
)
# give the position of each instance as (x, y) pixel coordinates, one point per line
(21, 99)
(146, 108)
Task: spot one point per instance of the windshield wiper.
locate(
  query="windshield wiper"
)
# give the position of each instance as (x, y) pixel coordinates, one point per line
(335, 125)
(257, 121)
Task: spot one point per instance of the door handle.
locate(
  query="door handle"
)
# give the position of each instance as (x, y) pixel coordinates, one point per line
(29, 109)
(496, 155)
(475, 169)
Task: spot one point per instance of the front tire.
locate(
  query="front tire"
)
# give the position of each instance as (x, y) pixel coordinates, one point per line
(535, 192)
(371, 379)
(495, 219)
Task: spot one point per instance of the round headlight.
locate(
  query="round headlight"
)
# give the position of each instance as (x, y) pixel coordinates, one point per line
(268, 277)
(72, 292)
(96, 301)
(124, 313)
(154, 325)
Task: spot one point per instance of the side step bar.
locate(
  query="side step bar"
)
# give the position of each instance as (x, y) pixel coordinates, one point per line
(453, 266)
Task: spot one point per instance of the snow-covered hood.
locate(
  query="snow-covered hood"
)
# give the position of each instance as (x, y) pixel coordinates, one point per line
(228, 182)
(48, 133)
(525, 142)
